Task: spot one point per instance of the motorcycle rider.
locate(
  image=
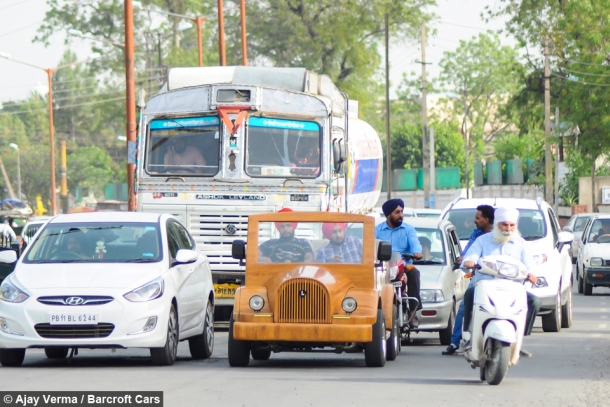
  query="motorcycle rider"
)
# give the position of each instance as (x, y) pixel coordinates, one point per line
(505, 239)
(403, 238)
(484, 221)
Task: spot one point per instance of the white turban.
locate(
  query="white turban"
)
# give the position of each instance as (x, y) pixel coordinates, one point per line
(506, 215)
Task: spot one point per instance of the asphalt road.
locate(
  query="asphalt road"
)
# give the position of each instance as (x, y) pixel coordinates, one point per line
(570, 368)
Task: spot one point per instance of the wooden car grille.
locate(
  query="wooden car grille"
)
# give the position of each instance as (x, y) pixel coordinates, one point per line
(305, 301)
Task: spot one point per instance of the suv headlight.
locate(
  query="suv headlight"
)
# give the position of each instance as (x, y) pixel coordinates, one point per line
(431, 295)
(147, 292)
(596, 261)
(9, 292)
(540, 258)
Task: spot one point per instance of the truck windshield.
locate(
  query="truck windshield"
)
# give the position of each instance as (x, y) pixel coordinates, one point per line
(184, 146)
(282, 148)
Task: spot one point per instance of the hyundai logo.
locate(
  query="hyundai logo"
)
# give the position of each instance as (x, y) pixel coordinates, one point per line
(74, 301)
(231, 229)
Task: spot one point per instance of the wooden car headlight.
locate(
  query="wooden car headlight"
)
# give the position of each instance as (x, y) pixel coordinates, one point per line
(349, 305)
(257, 302)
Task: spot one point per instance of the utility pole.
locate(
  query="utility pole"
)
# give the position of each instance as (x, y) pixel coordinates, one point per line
(244, 44)
(432, 171)
(63, 181)
(556, 207)
(424, 116)
(221, 34)
(130, 104)
(388, 155)
(548, 165)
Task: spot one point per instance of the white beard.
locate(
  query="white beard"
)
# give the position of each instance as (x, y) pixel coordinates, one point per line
(500, 237)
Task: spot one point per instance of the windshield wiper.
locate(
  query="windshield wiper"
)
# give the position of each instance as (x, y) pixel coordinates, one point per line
(532, 237)
(427, 262)
(140, 261)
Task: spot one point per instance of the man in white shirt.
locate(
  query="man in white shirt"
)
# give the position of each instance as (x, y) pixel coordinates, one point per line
(6, 232)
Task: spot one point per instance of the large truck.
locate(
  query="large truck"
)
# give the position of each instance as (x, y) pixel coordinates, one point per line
(218, 144)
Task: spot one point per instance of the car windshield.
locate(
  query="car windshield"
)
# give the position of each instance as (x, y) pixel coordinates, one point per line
(184, 146)
(310, 242)
(428, 215)
(600, 231)
(580, 223)
(433, 249)
(283, 148)
(532, 225)
(96, 243)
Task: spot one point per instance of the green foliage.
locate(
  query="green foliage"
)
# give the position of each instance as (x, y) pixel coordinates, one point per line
(91, 168)
(509, 146)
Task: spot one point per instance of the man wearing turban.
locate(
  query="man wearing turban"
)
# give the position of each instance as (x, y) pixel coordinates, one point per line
(403, 238)
(288, 248)
(340, 249)
(505, 239)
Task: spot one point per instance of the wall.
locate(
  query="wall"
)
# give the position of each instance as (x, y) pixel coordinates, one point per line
(507, 191)
(584, 190)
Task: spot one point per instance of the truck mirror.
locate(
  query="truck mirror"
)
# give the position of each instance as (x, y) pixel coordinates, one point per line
(339, 156)
(238, 249)
(384, 251)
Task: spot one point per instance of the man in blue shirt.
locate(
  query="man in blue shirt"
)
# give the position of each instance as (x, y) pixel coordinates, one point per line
(404, 240)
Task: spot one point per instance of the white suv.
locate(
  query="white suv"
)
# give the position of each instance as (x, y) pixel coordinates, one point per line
(548, 245)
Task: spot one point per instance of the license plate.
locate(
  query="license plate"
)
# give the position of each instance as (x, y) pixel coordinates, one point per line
(82, 318)
(226, 290)
(397, 283)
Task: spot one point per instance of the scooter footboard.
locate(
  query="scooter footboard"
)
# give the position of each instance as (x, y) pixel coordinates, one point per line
(500, 330)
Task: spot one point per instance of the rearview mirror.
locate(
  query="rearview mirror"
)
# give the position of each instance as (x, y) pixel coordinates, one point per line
(238, 249)
(567, 229)
(8, 256)
(565, 237)
(339, 156)
(186, 256)
(384, 251)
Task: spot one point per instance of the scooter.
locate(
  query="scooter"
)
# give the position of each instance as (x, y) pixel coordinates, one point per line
(498, 319)
(398, 276)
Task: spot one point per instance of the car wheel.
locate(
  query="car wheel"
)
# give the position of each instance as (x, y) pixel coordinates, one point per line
(393, 345)
(261, 354)
(552, 322)
(12, 357)
(587, 288)
(375, 351)
(166, 356)
(239, 351)
(202, 345)
(580, 282)
(566, 311)
(56, 353)
(444, 335)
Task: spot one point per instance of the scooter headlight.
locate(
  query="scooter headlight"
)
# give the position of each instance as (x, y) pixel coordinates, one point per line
(507, 270)
(541, 283)
(349, 305)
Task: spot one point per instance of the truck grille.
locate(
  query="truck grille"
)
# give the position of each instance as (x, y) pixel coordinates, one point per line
(74, 331)
(301, 300)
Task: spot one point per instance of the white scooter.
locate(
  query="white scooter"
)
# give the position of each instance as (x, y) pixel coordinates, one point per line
(499, 317)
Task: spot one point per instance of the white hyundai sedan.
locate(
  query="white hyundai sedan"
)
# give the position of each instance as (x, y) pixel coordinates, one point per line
(108, 280)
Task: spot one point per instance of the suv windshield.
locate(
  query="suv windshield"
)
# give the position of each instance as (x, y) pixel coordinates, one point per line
(532, 225)
(96, 242)
(184, 146)
(282, 148)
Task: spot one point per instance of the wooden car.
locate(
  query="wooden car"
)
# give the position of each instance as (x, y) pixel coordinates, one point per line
(313, 294)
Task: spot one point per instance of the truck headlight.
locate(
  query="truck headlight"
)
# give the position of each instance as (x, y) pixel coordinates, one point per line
(257, 302)
(596, 261)
(349, 305)
(431, 295)
(9, 292)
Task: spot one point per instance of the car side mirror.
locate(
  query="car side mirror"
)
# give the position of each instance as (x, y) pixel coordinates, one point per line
(567, 229)
(186, 256)
(8, 256)
(384, 251)
(565, 237)
(238, 249)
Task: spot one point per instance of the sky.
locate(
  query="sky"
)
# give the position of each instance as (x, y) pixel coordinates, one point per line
(20, 19)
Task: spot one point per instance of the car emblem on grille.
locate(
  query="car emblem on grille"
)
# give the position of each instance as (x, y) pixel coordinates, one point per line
(302, 293)
(74, 301)
(231, 229)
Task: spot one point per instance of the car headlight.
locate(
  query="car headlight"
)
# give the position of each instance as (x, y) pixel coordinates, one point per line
(9, 292)
(596, 261)
(349, 305)
(540, 258)
(257, 302)
(147, 292)
(541, 283)
(431, 295)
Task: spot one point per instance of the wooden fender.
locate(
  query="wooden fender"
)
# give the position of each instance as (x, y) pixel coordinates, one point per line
(388, 296)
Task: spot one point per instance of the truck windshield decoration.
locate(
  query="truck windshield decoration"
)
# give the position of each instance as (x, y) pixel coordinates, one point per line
(279, 148)
(184, 146)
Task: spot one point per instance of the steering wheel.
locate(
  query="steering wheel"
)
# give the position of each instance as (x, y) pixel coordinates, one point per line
(603, 239)
(66, 253)
(177, 168)
(287, 251)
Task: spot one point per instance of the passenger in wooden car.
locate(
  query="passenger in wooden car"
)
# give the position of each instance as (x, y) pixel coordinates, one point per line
(339, 248)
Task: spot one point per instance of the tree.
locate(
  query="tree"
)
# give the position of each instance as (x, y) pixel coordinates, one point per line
(91, 168)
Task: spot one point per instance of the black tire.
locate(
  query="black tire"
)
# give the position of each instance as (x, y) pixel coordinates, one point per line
(587, 288)
(497, 366)
(444, 335)
(580, 282)
(375, 351)
(482, 374)
(261, 354)
(202, 345)
(566, 311)
(573, 260)
(552, 322)
(56, 353)
(393, 342)
(166, 356)
(12, 357)
(239, 351)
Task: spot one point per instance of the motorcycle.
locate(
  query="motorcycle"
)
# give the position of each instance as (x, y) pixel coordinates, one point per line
(398, 277)
(498, 319)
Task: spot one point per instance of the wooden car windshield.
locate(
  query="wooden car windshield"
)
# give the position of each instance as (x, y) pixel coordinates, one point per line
(310, 242)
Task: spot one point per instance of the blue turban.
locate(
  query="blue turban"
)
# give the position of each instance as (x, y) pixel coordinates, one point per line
(391, 205)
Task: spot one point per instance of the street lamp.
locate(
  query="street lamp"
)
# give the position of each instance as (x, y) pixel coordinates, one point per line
(16, 147)
(451, 95)
(50, 72)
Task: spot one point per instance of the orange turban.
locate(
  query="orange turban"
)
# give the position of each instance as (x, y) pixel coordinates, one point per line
(327, 229)
(278, 224)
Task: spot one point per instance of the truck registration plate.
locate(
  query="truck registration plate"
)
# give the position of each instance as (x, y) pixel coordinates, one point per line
(226, 290)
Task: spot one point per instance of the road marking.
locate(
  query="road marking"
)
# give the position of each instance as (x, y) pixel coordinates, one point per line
(596, 335)
(603, 326)
(604, 309)
(603, 316)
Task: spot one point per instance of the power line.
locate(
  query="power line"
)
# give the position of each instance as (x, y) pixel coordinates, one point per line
(15, 4)
(20, 29)
(581, 82)
(63, 107)
(466, 26)
(599, 75)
